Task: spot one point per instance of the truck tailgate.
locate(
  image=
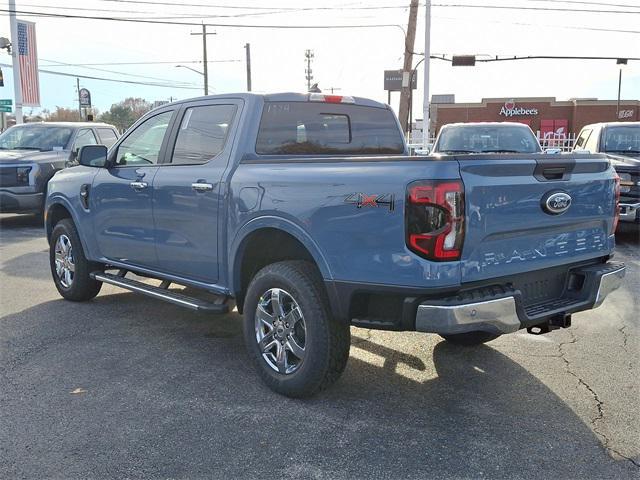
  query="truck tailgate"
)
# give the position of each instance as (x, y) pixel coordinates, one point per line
(511, 228)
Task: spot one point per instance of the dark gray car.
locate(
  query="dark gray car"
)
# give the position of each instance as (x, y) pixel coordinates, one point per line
(31, 153)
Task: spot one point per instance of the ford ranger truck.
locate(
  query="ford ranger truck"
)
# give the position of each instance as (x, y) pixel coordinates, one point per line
(305, 212)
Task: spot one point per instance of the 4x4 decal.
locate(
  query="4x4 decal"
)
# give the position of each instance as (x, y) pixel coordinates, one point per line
(375, 200)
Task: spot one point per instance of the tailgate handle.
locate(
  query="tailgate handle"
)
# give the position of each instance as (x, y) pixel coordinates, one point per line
(553, 173)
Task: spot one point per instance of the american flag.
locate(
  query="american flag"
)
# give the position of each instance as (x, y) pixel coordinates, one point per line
(28, 57)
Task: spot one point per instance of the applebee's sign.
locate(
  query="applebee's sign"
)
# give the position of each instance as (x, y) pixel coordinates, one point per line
(509, 109)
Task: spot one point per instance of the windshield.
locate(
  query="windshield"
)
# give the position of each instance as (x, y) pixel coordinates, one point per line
(623, 139)
(41, 138)
(487, 139)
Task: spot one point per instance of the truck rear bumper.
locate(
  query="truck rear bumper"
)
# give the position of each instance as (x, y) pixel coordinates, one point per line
(629, 211)
(503, 311)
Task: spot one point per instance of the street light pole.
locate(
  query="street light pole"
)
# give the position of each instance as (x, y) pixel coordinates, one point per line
(204, 59)
(426, 124)
(204, 56)
(248, 49)
(15, 52)
(619, 88)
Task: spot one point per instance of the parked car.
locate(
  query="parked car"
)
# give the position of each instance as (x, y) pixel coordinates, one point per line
(306, 212)
(32, 152)
(620, 141)
(485, 137)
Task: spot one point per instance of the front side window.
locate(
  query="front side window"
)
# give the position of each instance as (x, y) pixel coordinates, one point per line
(85, 137)
(142, 146)
(308, 128)
(487, 139)
(623, 139)
(42, 137)
(203, 132)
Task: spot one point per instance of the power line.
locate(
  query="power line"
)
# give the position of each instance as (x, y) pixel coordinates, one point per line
(537, 9)
(383, 7)
(64, 64)
(548, 25)
(602, 4)
(377, 7)
(146, 12)
(168, 22)
(141, 63)
(497, 58)
(133, 82)
(551, 57)
(252, 7)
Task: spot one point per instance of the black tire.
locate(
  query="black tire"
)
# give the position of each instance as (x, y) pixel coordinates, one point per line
(82, 287)
(327, 341)
(470, 339)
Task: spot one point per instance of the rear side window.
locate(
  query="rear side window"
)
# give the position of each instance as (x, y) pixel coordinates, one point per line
(107, 136)
(305, 128)
(202, 133)
(582, 139)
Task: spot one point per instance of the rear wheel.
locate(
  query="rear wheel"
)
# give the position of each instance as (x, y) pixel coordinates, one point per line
(69, 267)
(298, 348)
(470, 339)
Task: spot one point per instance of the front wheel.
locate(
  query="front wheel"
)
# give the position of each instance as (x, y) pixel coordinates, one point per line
(69, 267)
(470, 339)
(298, 348)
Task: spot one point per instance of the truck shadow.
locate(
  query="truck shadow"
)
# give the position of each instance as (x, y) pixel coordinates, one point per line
(174, 394)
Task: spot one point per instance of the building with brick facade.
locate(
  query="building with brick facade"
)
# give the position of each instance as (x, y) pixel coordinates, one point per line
(543, 114)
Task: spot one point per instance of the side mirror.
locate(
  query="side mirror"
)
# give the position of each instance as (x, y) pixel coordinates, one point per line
(93, 156)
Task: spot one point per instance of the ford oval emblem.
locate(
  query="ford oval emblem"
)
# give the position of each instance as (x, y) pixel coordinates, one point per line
(556, 203)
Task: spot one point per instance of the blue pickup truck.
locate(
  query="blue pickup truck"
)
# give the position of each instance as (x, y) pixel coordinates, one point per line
(305, 212)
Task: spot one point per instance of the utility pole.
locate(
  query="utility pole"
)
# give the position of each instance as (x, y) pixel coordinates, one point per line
(308, 54)
(204, 56)
(15, 52)
(79, 104)
(426, 121)
(247, 47)
(619, 88)
(409, 42)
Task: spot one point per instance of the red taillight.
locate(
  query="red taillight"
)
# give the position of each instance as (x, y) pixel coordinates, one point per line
(435, 219)
(616, 205)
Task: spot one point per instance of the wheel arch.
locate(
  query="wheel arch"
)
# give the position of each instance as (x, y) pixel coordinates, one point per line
(279, 240)
(57, 210)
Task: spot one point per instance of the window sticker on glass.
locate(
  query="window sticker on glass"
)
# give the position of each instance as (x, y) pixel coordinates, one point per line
(278, 107)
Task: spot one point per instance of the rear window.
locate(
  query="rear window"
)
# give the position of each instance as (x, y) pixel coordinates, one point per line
(305, 128)
(487, 139)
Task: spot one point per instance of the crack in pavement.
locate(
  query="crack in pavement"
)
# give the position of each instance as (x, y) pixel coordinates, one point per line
(599, 403)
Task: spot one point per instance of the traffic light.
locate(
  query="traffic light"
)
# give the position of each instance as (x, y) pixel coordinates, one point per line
(1, 79)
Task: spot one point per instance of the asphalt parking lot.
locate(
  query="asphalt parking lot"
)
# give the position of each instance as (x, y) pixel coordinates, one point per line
(127, 387)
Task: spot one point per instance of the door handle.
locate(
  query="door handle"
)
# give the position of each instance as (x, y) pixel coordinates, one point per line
(138, 185)
(202, 187)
